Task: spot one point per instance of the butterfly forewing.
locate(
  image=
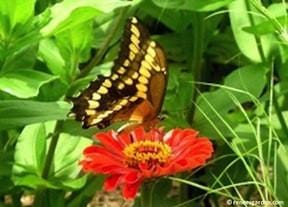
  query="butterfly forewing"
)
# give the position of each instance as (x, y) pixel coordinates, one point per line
(135, 89)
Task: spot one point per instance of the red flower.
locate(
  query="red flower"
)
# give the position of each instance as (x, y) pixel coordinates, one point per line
(130, 158)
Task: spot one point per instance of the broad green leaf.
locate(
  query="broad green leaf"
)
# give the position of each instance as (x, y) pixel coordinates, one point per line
(240, 18)
(178, 46)
(75, 12)
(16, 113)
(282, 173)
(74, 46)
(67, 156)
(24, 83)
(242, 85)
(30, 150)
(192, 5)
(18, 56)
(50, 54)
(176, 20)
(31, 180)
(30, 153)
(76, 42)
(179, 91)
(268, 26)
(275, 22)
(17, 11)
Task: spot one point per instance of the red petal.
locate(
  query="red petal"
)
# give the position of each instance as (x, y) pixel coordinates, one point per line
(109, 142)
(175, 136)
(112, 182)
(138, 134)
(132, 176)
(125, 138)
(129, 191)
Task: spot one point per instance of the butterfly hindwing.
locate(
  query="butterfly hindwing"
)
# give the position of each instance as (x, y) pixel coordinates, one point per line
(135, 89)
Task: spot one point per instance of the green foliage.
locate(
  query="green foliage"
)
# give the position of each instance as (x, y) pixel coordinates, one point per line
(228, 79)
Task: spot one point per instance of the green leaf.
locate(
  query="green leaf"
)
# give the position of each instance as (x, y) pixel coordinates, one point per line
(49, 52)
(244, 84)
(177, 20)
(16, 113)
(17, 11)
(30, 150)
(76, 42)
(66, 162)
(282, 172)
(275, 22)
(192, 5)
(240, 18)
(30, 153)
(24, 83)
(179, 91)
(74, 46)
(178, 46)
(75, 12)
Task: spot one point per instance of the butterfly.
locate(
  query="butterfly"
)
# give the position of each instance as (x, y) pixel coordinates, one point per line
(134, 91)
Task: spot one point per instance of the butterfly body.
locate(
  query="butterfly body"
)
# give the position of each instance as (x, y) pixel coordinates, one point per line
(134, 91)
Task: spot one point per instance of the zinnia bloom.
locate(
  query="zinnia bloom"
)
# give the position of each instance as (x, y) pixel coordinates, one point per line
(130, 158)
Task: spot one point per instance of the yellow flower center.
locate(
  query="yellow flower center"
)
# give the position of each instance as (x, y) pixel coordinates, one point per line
(146, 152)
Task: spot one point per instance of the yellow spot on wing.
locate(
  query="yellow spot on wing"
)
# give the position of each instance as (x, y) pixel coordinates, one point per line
(141, 94)
(133, 48)
(133, 98)
(123, 102)
(143, 80)
(107, 83)
(121, 70)
(146, 64)
(135, 75)
(151, 52)
(117, 107)
(93, 104)
(128, 81)
(90, 112)
(134, 39)
(126, 63)
(131, 56)
(121, 86)
(141, 87)
(157, 68)
(102, 90)
(145, 72)
(135, 30)
(95, 121)
(134, 20)
(96, 96)
(152, 44)
(114, 77)
(149, 59)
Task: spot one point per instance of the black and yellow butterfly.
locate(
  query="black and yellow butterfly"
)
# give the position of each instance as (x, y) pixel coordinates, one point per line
(134, 91)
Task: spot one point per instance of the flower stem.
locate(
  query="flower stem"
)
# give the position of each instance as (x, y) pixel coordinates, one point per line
(146, 194)
(51, 151)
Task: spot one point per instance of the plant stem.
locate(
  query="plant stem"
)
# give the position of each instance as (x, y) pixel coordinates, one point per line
(146, 194)
(195, 64)
(51, 150)
(257, 39)
(279, 114)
